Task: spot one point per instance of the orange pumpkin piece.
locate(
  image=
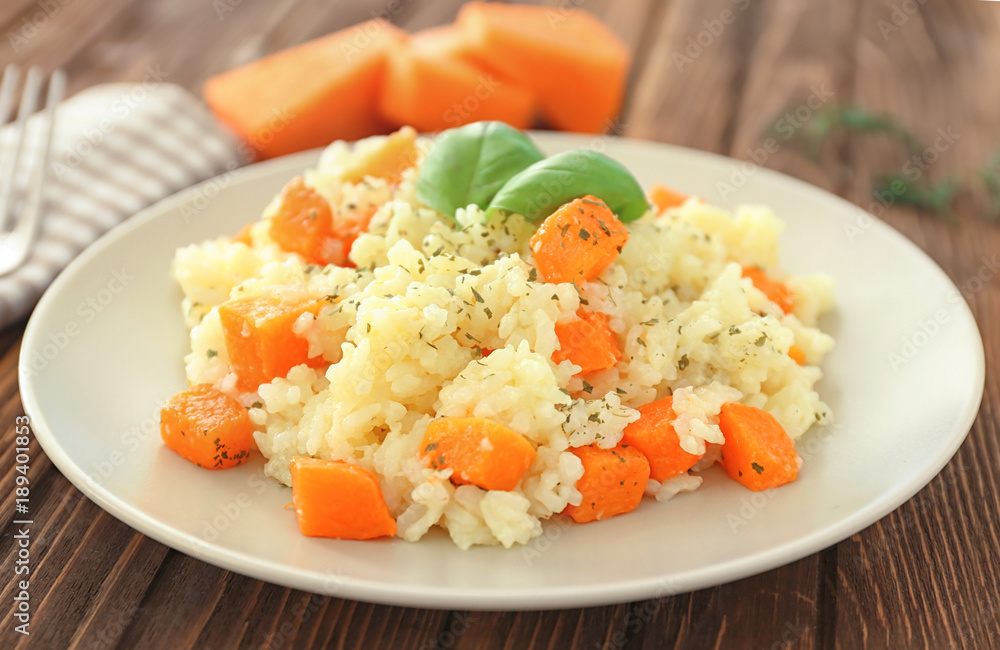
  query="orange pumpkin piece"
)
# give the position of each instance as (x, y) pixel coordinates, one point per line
(444, 40)
(777, 292)
(303, 224)
(243, 236)
(664, 197)
(578, 241)
(572, 62)
(207, 427)
(797, 354)
(260, 340)
(310, 95)
(434, 90)
(339, 500)
(654, 436)
(613, 482)
(757, 452)
(588, 342)
(478, 451)
(396, 154)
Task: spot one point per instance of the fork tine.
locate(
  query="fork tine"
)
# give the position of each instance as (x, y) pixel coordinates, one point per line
(22, 239)
(11, 75)
(29, 99)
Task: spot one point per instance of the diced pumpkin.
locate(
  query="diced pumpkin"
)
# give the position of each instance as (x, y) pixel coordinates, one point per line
(577, 241)
(243, 236)
(478, 451)
(665, 198)
(207, 427)
(588, 342)
(613, 482)
(654, 436)
(303, 224)
(309, 95)
(396, 153)
(757, 452)
(443, 40)
(434, 91)
(777, 292)
(338, 500)
(572, 62)
(260, 340)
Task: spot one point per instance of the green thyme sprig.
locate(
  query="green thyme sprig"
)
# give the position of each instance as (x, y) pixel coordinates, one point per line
(990, 177)
(811, 133)
(932, 198)
(830, 120)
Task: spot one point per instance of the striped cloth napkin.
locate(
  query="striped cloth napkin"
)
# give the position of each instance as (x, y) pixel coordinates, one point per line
(116, 149)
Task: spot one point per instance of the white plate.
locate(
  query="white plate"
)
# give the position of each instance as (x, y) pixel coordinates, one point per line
(104, 350)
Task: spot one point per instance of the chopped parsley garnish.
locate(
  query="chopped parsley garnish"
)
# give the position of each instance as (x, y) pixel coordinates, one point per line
(757, 468)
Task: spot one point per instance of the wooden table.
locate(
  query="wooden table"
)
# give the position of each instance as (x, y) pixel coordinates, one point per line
(928, 575)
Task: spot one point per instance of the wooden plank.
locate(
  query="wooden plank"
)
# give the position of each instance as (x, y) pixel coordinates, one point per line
(17, 18)
(773, 609)
(927, 574)
(555, 629)
(117, 603)
(794, 72)
(189, 590)
(365, 625)
(687, 91)
(63, 33)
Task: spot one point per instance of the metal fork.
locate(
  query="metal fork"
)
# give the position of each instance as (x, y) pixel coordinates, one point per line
(17, 242)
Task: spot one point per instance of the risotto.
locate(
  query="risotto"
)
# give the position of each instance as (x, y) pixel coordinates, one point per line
(415, 316)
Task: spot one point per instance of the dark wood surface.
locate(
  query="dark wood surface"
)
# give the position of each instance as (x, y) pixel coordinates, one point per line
(927, 575)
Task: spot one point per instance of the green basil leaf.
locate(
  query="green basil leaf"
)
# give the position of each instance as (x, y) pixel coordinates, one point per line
(469, 164)
(540, 189)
